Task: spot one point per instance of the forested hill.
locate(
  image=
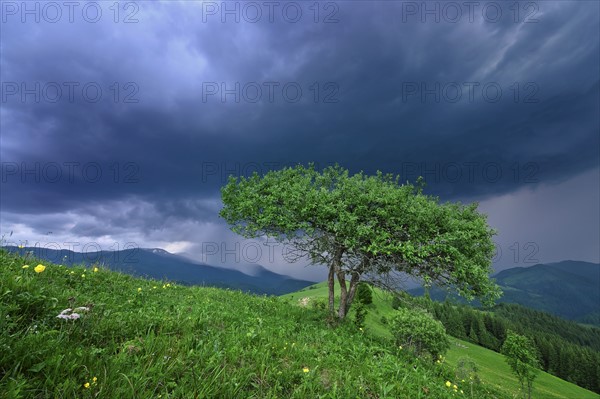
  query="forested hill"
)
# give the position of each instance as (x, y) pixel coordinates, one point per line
(569, 289)
(566, 349)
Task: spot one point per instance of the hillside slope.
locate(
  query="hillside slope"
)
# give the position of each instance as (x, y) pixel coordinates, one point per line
(568, 289)
(493, 369)
(137, 338)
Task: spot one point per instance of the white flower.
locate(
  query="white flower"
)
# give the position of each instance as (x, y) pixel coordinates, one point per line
(68, 314)
(304, 301)
(72, 316)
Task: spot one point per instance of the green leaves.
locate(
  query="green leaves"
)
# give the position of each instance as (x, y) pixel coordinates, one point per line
(521, 356)
(420, 331)
(371, 222)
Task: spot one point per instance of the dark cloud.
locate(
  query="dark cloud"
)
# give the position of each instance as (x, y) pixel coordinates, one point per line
(381, 90)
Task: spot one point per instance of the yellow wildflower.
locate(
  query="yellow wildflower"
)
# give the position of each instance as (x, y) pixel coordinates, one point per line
(305, 369)
(455, 387)
(83, 276)
(448, 384)
(139, 290)
(39, 268)
(86, 385)
(94, 380)
(96, 270)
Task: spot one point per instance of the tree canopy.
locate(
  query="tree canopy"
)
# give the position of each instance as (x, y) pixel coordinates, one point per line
(522, 358)
(360, 225)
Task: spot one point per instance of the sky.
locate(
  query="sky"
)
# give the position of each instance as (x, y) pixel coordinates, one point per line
(119, 122)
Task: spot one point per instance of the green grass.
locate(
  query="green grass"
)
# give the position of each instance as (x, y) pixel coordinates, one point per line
(493, 370)
(150, 339)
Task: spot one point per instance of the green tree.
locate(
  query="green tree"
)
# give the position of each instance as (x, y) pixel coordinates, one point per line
(360, 315)
(365, 226)
(364, 294)
(364, 297)
(454, 326)
(418, 330)
(521, 356)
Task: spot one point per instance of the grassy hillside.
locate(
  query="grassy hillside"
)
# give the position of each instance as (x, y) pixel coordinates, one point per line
(137, 338)
(493, 372)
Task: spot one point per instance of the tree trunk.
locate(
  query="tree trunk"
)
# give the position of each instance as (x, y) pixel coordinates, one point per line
(331, 286)
(353, 286)
(343, 293)
(333, 267)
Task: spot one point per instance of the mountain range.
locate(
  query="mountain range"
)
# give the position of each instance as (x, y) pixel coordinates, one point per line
(569, 289)
(159, 264)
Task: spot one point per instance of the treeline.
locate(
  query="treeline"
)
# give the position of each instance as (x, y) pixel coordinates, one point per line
(544, 322)
(566, 349)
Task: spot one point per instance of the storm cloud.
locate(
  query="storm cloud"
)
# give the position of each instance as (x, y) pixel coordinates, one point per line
(120, 124)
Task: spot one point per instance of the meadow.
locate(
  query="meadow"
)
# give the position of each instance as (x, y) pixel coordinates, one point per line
(493, 371)
(76, 332)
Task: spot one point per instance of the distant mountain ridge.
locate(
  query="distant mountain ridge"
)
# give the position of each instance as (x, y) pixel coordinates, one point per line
(160, 264)
(569, 289)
